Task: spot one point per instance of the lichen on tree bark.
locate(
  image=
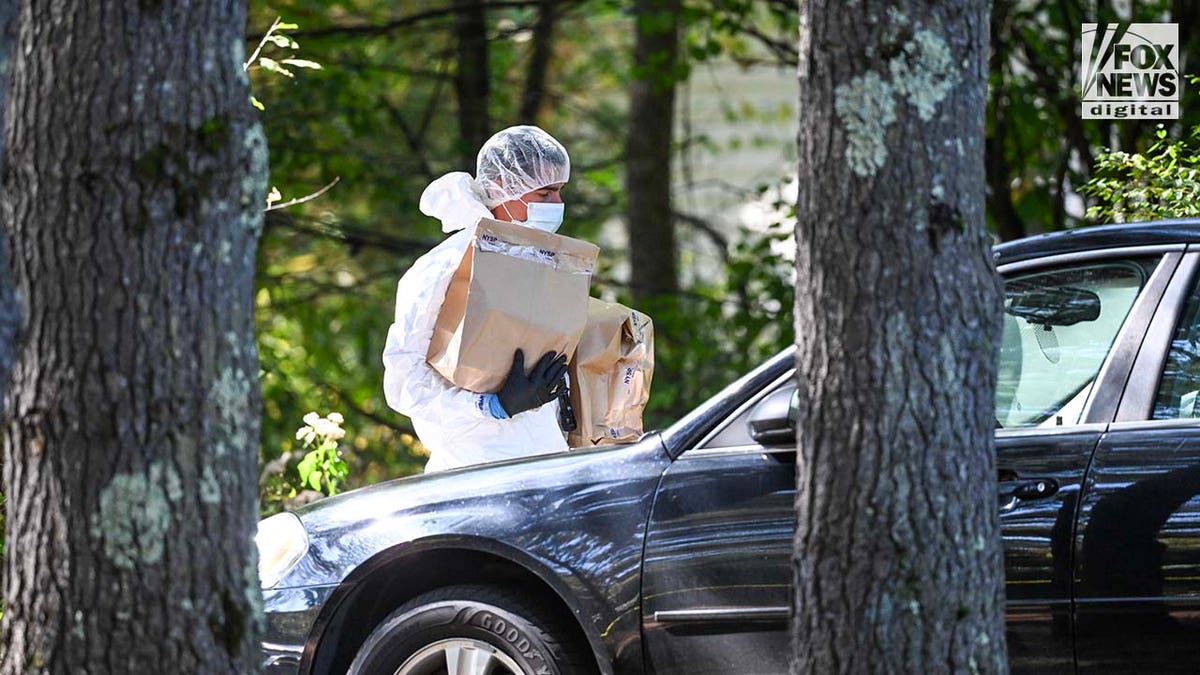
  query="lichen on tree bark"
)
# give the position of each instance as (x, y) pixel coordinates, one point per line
(133, 193)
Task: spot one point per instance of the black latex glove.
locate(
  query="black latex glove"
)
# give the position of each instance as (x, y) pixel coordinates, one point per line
(523, 392)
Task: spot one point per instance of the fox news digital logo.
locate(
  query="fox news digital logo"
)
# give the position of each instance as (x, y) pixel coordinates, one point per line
(1130, 71)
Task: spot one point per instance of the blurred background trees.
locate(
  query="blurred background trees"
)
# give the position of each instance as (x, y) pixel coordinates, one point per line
(679, 116)
(407, 93)
(1040, 152)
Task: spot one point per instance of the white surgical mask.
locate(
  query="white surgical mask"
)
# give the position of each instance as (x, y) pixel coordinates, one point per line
(544, 216)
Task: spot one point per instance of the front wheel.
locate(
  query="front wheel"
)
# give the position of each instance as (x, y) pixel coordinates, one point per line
(470, 630)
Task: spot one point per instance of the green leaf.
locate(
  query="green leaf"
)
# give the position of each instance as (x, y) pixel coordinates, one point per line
(271, 65)
(257, 104)
(307, 466)
(286, 26)
(302, 63)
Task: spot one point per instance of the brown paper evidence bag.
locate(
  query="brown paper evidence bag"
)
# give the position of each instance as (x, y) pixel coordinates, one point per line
(610, 375)
(519, 287)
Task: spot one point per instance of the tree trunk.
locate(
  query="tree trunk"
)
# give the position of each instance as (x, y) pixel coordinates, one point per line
(648, 149)
(534, 96)
(472, 77)
(1007, 221)
(897, 556)
(10, 313)
(133, 194)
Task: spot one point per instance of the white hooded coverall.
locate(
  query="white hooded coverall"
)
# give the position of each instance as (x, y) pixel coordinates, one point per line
(453, 423)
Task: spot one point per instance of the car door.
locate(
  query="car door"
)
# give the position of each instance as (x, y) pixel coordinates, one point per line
(1137, 567)
(717, 574)
(1071, 329)
(716, 579)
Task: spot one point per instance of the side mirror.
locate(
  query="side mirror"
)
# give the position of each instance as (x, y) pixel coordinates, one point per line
(773, 421)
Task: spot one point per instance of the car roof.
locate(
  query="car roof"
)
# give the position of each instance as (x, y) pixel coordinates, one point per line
(1179, 231)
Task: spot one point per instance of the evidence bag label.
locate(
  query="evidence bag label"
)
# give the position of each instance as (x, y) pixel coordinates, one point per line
(1130, 71)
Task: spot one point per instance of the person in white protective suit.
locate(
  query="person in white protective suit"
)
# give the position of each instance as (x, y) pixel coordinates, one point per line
(519, 176)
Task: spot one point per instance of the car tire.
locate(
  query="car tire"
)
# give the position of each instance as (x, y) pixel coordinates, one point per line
(484, 624)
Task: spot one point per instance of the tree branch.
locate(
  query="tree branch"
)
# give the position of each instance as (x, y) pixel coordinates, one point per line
(434, 97)
(784, 51)
(374, 417)
(374, 29)
(305, 198)
(355, 237)
(410, 136)
(708, 229)
(321, 289)
(472, 87)
(261, 42)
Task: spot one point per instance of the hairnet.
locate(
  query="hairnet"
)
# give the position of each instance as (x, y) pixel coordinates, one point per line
(518, 160)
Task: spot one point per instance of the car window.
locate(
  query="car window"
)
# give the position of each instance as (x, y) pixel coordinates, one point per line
(737, 432)
(1180, 383)
(1058, 327)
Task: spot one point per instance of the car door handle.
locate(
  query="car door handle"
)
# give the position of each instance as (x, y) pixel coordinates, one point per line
(1036, 488)
(1028, 488)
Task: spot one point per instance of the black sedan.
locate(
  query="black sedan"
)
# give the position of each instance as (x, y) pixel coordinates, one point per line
(671, 555)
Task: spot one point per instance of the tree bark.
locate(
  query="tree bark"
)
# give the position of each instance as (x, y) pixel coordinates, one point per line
(10, 313)
(1008, 222)
(133, 192)
(472, 77)
(652, 255)
(534, 95)
(897, 554)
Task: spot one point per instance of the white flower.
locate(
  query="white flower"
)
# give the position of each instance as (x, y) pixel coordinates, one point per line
(336, 418)
(311, 419)
(328, 429)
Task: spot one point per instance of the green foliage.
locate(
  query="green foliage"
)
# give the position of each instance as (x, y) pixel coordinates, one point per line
(1039, 149)
(316, 467)
(1162, 182)
(382, 115)
(716, 332)
(322, 320)
(741, 30)
(323, 468)
(277, 38)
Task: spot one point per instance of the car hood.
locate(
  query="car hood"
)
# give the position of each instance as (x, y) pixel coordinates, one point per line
(446, 489)
(507, 504)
